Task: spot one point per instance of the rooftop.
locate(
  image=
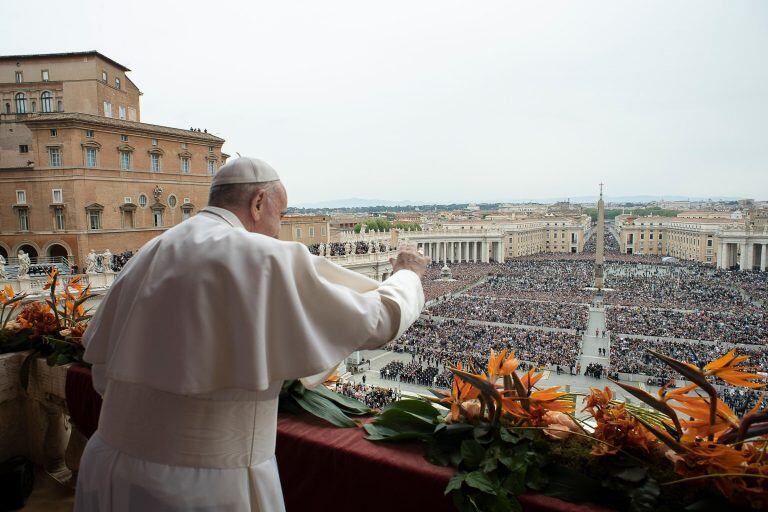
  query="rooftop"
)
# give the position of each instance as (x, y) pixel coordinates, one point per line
(91, 53)
(114, 123)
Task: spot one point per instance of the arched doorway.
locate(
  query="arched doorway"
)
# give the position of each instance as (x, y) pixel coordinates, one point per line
(31, 251)
(57, 250)
(4, 253)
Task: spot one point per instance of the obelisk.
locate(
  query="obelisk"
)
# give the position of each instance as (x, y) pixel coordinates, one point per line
(600, 249)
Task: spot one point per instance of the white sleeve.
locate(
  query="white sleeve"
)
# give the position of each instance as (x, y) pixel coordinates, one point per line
(402, 299)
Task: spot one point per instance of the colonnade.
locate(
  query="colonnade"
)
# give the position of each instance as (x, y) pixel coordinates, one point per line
(463, 251)
(748, 255)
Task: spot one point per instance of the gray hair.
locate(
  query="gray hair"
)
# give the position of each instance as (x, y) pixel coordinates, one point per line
(237, 195)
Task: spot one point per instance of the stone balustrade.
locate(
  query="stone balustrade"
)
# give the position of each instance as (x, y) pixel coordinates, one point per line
(33, 286)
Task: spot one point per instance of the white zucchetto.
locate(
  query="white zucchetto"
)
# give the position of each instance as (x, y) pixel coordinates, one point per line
(244, 170)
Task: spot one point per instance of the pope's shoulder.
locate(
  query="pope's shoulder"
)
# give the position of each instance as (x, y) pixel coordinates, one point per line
(212, 238)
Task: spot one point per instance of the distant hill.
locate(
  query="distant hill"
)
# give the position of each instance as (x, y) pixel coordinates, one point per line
(355, 202)
(359, 202)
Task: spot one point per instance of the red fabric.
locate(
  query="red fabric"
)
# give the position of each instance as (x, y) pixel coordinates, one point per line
(324, 467)
(83, 402)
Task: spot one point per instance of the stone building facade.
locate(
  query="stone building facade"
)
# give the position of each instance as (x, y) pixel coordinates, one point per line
(307, 229)
(715, 240)
(88, 174)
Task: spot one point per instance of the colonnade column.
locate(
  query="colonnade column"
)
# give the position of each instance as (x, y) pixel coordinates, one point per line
(743, 259)
(764, 257)
(721, 254)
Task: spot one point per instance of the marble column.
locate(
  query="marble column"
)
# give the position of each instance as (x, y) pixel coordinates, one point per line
(721, 255)
(764, 257)
(743, 259)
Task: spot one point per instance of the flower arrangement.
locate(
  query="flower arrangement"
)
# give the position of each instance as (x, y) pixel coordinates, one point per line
(686, 450)
(52, 328)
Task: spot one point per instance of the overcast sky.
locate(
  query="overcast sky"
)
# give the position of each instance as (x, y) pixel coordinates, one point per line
(444, 101)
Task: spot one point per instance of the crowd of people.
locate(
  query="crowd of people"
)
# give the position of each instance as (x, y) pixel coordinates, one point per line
(442, 344)
(630, 355)
(343, 249)
(748, 326)
(513, 311)
(374, 397)
(563, 280)
(462, 276)
(413, 372)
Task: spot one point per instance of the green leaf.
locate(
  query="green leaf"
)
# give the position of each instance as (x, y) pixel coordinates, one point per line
(324, 409)
(472, 453)
(508, 437)
(480, 481)
(571, 485)
(515, 482)
(416, 407)
(454, 484)
(347, 404)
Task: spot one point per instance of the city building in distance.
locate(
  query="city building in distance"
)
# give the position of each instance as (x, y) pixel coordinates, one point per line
(79, 171)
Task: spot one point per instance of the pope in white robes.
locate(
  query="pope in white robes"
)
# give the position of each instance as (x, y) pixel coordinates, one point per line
(194, 339)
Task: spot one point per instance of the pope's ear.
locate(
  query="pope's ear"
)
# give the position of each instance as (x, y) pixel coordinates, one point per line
(257, 202)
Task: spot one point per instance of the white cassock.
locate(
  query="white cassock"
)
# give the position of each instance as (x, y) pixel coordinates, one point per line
(190, 347)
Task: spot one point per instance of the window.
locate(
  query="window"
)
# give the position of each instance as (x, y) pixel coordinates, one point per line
(54, 132)
(94, 219)
(90, 157)
(44, 74)
(21, 197)
(154, 142)
(89, 134)
(23, 219)
(121, 112)
(651, 236)
(186, 213)
(19, 77)
(211, 167)
(107, 109)
(123, 138)
(117, 83)
(154, 159)
(172, 201)
(157, 218)
(184, 165)
(7, 108)
(128, 219)
(131, 114)
(210, 149)
(55, 155)
(125, 160)
(103, 76)
(58, 195)
(21, 103)
(298, 233)
(183, 145)
(58, 219)
(46, 102)
(23, 148)
(709, 243)
(660, 235)
(34, 106)
(60, 106)
(143, 200)
(311, 231)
